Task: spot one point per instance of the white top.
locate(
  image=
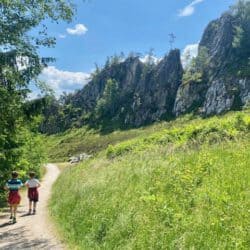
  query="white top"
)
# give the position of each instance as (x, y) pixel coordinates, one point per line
(32, 183)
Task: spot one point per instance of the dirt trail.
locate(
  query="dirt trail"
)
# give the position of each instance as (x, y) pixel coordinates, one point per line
(34, 231)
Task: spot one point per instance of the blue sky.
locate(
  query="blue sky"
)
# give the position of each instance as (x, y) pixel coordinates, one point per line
(102, 28)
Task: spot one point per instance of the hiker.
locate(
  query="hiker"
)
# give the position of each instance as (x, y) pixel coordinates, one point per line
(14, 198)
(33, 184)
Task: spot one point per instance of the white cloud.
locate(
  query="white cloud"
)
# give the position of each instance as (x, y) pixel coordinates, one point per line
(33, 95)
(190, 52)
(63, 81)
(189, 9)
(80, 29)
(148, 58)
(22, 62)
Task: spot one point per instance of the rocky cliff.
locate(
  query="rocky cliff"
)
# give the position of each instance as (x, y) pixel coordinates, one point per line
(218, 81)
(222, 88)
(154, 94)
(146, 92)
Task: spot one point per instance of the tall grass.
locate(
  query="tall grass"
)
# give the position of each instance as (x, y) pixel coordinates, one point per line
(206, 131)
(61, 146)
(183, 193)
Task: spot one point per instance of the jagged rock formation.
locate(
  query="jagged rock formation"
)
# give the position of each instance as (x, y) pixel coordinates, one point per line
(189, 97)
(126, 73)
(148, 92)
(221, 89)
(154, 95)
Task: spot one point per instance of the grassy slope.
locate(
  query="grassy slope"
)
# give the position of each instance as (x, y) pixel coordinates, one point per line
(177, 188)
(75, 141)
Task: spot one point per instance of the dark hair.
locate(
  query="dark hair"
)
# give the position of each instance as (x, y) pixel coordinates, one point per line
(32, 174)
(14, 174)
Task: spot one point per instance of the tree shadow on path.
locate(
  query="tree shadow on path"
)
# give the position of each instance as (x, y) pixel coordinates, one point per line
(15, 239)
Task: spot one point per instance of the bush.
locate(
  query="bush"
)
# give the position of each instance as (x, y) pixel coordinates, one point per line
(211, 131)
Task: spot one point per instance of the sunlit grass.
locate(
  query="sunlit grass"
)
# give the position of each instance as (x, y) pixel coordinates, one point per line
(186, 193)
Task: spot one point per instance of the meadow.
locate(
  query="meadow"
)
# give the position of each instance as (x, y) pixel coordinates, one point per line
(177, 185)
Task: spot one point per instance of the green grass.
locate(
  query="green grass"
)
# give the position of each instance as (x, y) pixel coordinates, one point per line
(198, 131)
(186, 187)
(75, 141)
(91, 141)
(61, 146)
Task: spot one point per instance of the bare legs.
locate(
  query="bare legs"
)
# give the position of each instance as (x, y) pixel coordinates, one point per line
(30, 207)
(13, 209)
(34, 207)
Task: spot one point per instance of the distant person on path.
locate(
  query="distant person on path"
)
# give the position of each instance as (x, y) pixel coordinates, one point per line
(14, 198)
(33, 184)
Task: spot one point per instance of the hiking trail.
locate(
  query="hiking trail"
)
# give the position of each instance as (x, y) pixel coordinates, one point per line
(33, 231)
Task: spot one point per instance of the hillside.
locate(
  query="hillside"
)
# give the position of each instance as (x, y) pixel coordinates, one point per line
(78, 140)
(170, 148)
(128, 93)
(181, 186)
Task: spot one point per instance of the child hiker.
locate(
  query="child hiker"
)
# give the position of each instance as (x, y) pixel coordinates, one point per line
(33, 184)
(14, 198)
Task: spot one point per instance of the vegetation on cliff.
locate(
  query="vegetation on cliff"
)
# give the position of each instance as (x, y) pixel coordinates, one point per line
(242, 38)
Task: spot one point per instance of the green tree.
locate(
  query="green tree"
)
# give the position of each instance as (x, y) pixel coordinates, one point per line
(195, 71)
(108, 103)
(20, 64)
(242, 38)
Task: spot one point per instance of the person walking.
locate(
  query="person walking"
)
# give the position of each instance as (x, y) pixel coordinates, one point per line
(13, 185)
(32, 184)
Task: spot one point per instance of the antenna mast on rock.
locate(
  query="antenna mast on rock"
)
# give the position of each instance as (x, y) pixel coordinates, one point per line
(172, 38)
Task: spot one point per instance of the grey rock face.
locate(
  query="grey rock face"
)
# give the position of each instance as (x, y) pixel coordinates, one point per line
(220, 90)
(150, 90)
(226, 94)
(157, 91)
(218, 40)
(244, 85)
(189, 97)
(218, 99)
(226, 91)
(126, 74)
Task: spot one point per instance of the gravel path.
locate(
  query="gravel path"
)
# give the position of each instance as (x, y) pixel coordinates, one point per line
(34, 231)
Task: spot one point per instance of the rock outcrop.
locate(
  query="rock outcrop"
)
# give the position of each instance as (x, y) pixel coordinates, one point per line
(221, 89)
(149, 92)
(190, 97)
(155, 93)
